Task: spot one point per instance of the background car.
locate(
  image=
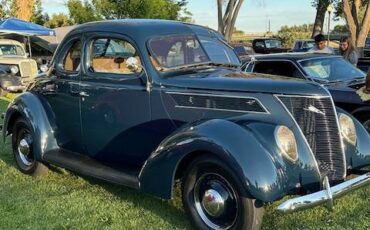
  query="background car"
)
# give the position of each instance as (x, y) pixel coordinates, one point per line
(367, 48)
(268, 45)
(339, 76)
(16, 69)
(303, 45)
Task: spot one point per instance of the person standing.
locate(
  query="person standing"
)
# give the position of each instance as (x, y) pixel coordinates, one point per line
(348, 51)
(321, 46)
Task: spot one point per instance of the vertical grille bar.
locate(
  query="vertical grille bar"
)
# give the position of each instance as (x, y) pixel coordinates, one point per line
(317, 119)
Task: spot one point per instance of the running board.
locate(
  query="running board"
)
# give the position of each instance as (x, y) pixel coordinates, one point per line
(87, 166)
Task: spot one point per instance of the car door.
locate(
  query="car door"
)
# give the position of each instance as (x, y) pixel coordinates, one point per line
(62, 95)
(115, 106)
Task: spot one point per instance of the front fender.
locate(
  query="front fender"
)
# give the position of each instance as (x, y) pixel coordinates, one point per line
(357, 156)
(263, 172)
(31, 108)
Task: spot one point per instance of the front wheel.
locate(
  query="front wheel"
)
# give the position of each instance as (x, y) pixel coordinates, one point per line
(212, 196)
(22, 144)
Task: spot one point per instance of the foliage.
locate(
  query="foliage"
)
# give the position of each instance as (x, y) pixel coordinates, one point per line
(81, 12)
(37, 16)
(162, 9)
(58, 20)
(340, 29)
(4, 8)
(288, 34)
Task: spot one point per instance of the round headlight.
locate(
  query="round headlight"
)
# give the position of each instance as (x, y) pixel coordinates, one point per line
(286, 142)
(347, 128)
(14, 69)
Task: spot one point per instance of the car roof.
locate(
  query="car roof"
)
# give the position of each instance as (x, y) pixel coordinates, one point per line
(143, 28)
(10, 42)
(292, 56)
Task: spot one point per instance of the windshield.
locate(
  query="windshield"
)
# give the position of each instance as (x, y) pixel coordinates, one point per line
(11, 50)
(331, 69)
(187, 50)
(273, 44)
(308, 44)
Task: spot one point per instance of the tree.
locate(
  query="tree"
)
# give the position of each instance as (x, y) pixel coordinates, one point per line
(4, 8)
(288, 34)
(162, 9)
(58, 20)
(321, 6)
(227, 19)
(358, 28)
(22, 9)
(37, 16)
(81, 12)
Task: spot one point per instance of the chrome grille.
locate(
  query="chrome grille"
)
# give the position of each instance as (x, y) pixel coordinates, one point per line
(317, 119)
(28, 68)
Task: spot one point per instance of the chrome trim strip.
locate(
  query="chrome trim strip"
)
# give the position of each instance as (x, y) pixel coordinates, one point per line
(220, 95)
(224, 110)
(324, 196)
(300, 131)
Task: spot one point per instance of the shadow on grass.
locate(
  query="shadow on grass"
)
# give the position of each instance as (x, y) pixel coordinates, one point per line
(170, 211)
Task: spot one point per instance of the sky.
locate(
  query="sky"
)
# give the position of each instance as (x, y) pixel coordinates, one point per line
(253, 16)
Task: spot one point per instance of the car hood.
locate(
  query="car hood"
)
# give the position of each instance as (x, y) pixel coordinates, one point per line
(11, 59)
(232, 80)
(344, 93)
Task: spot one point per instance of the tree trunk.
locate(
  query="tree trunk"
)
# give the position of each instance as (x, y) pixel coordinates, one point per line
(358, 32)
(226, 21)
(318, 26)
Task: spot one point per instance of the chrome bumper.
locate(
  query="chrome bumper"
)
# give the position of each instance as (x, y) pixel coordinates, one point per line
(325, 196)
(15, 88)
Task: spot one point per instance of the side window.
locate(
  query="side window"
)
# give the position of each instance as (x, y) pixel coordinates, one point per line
(109, 55)
(72, 59)
(260, 44)
(282, 68)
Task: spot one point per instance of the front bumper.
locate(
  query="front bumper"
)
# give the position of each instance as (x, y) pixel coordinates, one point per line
(325, 196)
(15, 88)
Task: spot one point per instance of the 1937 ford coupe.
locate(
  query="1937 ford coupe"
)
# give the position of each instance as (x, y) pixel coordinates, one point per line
(143, 103)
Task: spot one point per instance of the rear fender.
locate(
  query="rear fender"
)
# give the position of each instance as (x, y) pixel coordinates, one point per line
(37, 114)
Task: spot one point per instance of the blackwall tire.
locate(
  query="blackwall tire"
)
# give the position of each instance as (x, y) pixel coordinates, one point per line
(22, 146)
(210, 193)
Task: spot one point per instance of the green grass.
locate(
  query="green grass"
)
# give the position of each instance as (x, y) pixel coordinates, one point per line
(63, 200)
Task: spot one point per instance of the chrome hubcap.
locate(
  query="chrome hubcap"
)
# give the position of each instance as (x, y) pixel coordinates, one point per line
(213, 203)
(24, 151)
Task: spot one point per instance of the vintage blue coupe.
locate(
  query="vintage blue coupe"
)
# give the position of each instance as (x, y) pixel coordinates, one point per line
(143, 103)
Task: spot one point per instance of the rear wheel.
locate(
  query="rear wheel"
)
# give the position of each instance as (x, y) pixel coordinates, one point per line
(212, 196)
(22, 144)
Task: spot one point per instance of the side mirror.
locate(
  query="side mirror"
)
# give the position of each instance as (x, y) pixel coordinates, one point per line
(133, 64)
(44, 68)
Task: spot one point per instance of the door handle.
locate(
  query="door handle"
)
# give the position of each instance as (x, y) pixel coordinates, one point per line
(84, 94)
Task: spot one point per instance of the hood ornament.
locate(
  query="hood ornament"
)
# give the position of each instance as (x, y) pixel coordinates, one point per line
(313, 109)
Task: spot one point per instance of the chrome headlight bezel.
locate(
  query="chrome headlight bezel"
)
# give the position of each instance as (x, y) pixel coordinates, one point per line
(347, 128)
(287, 143)
(14, 69)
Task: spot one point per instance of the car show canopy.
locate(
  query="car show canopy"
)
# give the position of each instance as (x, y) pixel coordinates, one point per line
(18, 26)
